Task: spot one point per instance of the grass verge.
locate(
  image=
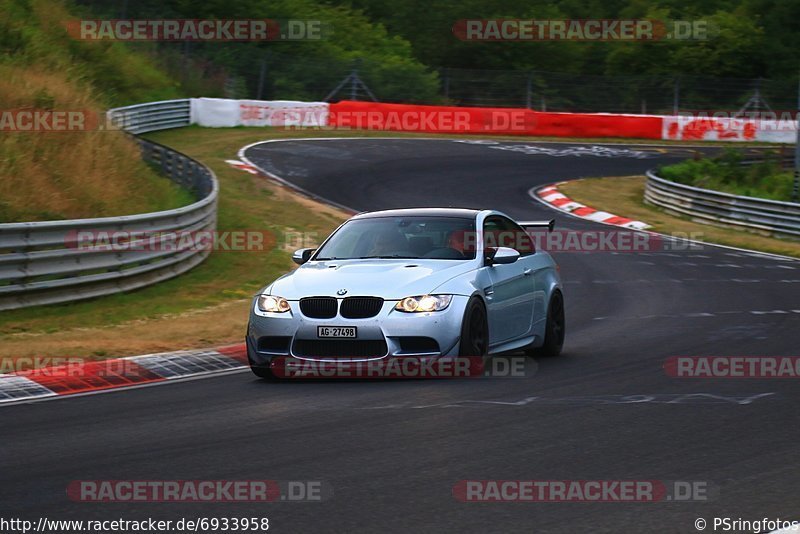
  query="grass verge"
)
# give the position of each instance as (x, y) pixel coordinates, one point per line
(624, 196)
(47, 172)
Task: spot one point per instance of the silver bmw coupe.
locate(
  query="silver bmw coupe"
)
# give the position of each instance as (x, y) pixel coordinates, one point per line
(428, 282)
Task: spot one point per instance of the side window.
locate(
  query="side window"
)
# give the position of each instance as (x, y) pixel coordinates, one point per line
(492, 227)
(524, 242)
(502, 232)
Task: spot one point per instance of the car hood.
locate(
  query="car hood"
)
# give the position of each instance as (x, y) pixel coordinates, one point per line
(389, 279)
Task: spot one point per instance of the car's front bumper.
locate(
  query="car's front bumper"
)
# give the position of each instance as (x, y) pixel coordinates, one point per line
(394, 333)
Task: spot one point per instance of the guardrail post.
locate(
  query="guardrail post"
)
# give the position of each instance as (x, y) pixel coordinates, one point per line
(676, 96)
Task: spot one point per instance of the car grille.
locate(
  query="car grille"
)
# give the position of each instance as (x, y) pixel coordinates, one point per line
(361, 307)
(318, 307)
(340, 348)
(351, 308)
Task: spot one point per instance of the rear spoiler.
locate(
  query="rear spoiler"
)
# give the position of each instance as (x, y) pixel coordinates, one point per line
(538, 224)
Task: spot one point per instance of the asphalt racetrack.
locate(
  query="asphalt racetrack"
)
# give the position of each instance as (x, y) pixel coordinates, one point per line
(391, 452)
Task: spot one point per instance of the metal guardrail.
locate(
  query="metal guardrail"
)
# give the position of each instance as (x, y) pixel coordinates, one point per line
(152, 116)
(44, 262)
(781, 219)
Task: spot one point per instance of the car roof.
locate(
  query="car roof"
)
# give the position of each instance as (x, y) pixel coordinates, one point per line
(429, 212)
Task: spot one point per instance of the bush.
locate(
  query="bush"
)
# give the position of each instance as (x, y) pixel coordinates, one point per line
(765, 179)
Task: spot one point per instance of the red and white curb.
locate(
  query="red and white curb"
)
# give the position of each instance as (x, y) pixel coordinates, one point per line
(92, 376)
(551, 196)
(242, 166)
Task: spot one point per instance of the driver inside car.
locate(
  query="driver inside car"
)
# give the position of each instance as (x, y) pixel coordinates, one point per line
(388, 243)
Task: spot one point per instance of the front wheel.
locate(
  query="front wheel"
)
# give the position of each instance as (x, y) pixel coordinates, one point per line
(474, 330)
(262, 372)
(555, 328)
(259, 370)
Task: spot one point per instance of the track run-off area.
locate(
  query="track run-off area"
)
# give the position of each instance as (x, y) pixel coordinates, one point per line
(390, 452)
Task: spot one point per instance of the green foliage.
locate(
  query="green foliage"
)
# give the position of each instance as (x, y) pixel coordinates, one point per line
(33, 34)
(93, 173)
(748, 38)
(403, 47)
(726, 173)
(297, 70)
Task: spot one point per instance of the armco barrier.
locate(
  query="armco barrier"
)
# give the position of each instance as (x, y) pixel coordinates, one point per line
(40, 264)
(141, 118)
(714, 207)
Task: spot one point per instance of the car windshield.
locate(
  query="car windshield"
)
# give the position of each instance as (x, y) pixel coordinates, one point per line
(415, 237)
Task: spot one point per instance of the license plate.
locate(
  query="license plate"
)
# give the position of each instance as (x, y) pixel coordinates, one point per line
(336, 331)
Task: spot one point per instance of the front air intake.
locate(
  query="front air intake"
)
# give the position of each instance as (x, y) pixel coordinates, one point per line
(340, 348)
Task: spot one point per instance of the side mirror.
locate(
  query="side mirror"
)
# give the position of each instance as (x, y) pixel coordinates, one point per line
(301, 256)
(502, 256)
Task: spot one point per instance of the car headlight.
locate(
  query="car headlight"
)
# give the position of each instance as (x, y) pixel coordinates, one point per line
(424, 303)
(273, 304)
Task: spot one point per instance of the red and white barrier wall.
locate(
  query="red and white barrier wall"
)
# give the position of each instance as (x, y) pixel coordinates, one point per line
(217, 112)
(507, 121)
(225, 113)
(694, 128)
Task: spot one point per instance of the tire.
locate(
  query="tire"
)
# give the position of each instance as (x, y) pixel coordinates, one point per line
(259, 370)
(262, 372)
(474, 330)
(555, 328)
